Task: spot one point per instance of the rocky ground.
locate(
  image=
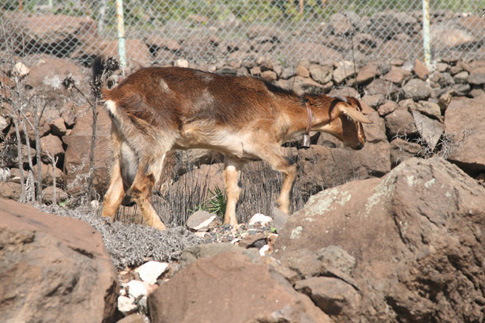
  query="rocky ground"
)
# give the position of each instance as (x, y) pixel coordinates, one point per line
(407, 247)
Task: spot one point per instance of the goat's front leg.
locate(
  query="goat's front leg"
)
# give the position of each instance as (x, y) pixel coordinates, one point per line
(274, 157)
(232, 172)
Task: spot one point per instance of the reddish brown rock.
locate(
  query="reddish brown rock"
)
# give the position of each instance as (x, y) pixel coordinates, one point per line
(416, 236)
(402, 150)
(58, 127)
(76, 160)
(51, 147)
(230, 288)
(48, 72)
(48, 195)
(344, 91)
(53, 268)
(322, 167)
(48, 174)
(10, 190)
(343, 70)
(400, 122)
(397, 75)
(477, 76)
(386, 108)
(333, 296)
(420, 69)
(305, 85)
(464, 120)
(302, 69)
(367, 73)
(381, 86)
(321, 73)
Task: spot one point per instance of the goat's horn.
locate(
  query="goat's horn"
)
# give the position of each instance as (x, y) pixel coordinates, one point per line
(354, 114)
(341, 98)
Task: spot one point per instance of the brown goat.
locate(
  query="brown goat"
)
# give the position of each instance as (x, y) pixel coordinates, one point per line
(157, 109)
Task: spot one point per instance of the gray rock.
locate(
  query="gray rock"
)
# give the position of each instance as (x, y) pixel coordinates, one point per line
(193, 253)
(304, 262)
(400, 122)
(417, 89)
(343, 70)
(477, 76)
(321, 73)
(402, 150)
(279, 218)
(334, 257)
(380, 86)
(333, 296)
(201, 220)
(429, 129)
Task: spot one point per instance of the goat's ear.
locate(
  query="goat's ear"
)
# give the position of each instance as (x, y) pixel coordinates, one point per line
(353, 113)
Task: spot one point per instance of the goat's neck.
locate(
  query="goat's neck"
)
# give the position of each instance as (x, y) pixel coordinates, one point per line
(297, 118)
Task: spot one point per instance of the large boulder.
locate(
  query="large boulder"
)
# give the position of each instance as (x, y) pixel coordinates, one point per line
(53, 269)
(48, 72)
(464, 120)
(49, 33)
(416, 236)
(229, 287)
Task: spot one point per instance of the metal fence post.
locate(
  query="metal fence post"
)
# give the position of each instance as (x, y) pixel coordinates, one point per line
(426, 34)
(121, 34)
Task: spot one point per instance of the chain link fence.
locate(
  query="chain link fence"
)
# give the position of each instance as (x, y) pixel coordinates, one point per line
(214, 31)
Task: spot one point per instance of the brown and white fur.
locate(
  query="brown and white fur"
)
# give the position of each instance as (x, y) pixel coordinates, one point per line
(157, 109)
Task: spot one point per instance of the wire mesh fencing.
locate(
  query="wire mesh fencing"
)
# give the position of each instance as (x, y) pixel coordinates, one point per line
(213, 31)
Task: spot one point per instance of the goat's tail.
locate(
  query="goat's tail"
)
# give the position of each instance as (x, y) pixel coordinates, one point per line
(102, 69)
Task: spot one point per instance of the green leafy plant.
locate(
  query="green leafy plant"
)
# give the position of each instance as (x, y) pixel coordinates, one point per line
(216, 203)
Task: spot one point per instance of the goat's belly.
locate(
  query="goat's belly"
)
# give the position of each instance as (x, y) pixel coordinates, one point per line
(231, 144)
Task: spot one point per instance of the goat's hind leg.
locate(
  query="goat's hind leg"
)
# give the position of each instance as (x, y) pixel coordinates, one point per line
(116, 190)
(148, 174)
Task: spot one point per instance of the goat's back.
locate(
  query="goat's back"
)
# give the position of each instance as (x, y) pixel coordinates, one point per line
(189, 95)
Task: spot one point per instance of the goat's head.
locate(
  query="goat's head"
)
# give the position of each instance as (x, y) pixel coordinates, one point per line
(341, 117)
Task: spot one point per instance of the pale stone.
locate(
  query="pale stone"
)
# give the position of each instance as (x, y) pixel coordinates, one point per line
(181, 62)
(20, 69)
(264, 250)
(150, 271)
(261, 218)
(126, 304)
(137, 289)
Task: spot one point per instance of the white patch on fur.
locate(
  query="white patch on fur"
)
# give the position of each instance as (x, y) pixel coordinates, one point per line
(164, 87)
(110, 106)
(207, 97)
